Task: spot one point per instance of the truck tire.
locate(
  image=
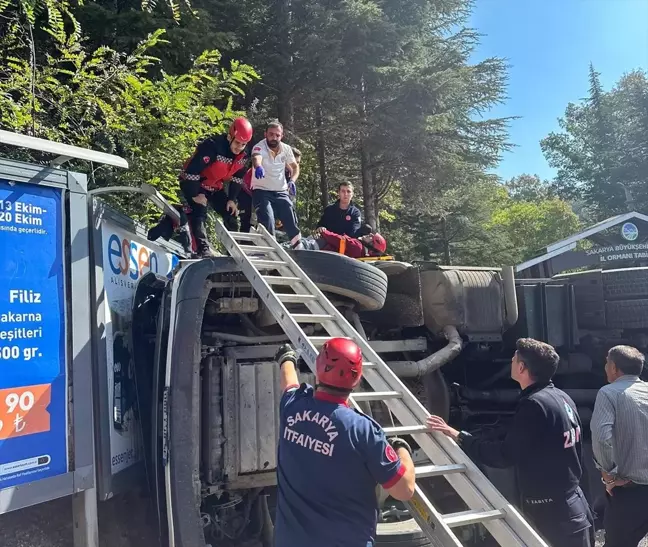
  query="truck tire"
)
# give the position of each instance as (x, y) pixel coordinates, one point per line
(589, 297)
(403, 305)
(343, 276)
(627, 314)
(625, 284)
(400, 534)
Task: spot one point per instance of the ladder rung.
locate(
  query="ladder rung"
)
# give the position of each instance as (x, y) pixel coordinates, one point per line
(405, 430)
(267, 263)
(240, 236)
(296, 298)
(377, 395)
(311, 317)
(256, 249)
(276, 280)
(321, 340)
(474, 516)
(423, 471)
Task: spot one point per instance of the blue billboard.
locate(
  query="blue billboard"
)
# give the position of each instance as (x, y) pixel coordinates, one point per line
(33, 380)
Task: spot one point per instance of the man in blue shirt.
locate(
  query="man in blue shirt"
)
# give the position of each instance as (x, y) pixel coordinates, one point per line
(331, 457)
(342, 217)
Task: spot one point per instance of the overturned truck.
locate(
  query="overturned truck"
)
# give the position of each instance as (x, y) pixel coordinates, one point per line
(205, 370)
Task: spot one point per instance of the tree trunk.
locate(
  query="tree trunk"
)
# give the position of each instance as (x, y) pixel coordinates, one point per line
(285, 111)
(321, 156)
(368, 195)
(446, 244)
(376, 199)
(368, 188)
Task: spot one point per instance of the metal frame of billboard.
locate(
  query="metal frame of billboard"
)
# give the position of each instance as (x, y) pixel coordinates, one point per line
(108, 483)
(82, 273)
(79, 481)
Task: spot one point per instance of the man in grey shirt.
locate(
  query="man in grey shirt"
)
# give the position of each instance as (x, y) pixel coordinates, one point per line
(620, 443)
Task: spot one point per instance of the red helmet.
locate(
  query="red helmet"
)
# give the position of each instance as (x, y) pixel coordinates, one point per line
(379, 243)
(241, 130)
(339, 364)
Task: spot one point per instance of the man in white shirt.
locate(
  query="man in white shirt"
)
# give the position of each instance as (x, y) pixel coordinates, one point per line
(270, 159)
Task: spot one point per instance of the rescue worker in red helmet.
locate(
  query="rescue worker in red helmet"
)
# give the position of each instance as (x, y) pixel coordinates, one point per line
(331, 457)
(216, 160)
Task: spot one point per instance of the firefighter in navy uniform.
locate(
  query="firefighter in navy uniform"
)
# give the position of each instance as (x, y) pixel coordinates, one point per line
(330, 457)
(544, 447)
(216, 160)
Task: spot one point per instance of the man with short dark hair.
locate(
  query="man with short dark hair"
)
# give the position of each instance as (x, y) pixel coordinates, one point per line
(245, 196)
(270, 159)
(543, 445)
(342, 217)
(620, 444)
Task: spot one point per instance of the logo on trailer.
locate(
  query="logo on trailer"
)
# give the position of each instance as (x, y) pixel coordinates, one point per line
(629, 231)
(130, 258)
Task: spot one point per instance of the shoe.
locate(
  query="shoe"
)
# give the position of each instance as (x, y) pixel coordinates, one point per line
(206, 253)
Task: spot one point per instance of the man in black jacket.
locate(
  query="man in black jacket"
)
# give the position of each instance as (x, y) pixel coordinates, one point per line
(544, 446)
(342, 217)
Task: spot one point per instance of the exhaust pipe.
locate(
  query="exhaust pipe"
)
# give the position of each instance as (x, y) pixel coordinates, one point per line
(417, 369)
(510, 296)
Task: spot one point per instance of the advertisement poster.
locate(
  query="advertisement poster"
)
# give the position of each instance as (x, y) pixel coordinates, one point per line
(33, 383)
(126, 258)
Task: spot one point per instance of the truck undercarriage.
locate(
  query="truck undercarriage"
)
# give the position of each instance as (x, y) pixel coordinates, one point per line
(208, 384)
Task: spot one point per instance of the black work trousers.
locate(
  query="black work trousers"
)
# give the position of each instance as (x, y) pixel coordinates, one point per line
(167, 229)
(563, 523)
(245, 211)
(626, 516)
(218, 201)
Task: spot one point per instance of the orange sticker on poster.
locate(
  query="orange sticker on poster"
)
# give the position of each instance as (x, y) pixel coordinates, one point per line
(23, 411)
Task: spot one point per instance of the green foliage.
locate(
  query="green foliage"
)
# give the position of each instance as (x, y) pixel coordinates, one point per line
(488, 224)
(531, 225)
(602, 148)
(529, 188)
(399, 104)
(108, 100)
(55, 11)
(378, 92)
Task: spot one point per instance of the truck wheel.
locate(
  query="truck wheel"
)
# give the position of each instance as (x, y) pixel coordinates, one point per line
(400, 534)
(627, 314)
(343, 276)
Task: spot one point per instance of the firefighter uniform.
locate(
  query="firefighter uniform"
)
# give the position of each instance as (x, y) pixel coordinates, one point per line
(211, 165)
(329, 461)
(545, 448)
(341, 221)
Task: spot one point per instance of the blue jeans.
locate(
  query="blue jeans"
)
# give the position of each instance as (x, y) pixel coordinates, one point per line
(264, 201)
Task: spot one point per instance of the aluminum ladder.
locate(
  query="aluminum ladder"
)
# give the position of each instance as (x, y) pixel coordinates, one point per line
(261, 255)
